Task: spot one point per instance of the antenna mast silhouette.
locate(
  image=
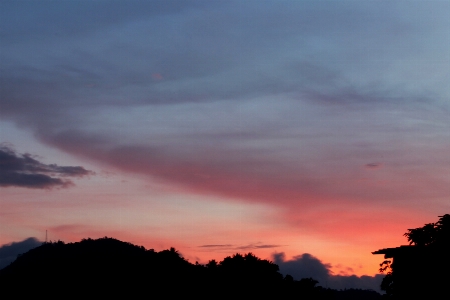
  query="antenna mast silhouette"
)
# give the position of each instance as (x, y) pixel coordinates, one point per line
(45, 236)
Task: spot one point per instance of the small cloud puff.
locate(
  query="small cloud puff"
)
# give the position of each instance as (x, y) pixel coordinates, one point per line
(374, 166)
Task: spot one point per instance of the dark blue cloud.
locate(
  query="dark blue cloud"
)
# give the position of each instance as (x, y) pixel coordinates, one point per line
(303, 266)
(9, 252)
(22, 170)
(306, 265)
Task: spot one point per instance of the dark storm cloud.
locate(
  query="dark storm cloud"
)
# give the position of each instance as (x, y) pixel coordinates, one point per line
(306, 265)
(22, 170)
(9, 252)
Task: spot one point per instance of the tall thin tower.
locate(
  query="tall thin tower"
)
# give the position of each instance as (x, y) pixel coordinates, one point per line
(45, 236)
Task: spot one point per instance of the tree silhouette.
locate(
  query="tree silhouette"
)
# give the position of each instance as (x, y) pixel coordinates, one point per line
(422, 267)
(431, 233)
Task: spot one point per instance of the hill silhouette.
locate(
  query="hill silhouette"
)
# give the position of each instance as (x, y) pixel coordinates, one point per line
(107, 267)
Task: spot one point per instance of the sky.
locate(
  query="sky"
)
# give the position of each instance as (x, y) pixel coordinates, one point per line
(300, 131)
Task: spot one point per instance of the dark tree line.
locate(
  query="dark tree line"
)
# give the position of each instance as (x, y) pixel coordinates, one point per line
(107, 267)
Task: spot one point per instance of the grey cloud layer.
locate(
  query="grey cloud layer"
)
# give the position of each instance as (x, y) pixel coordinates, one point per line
(274, 101)
(22, 170)
(204, 53)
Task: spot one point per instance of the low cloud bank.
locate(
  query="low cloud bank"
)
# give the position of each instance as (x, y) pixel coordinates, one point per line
(9, 252)
(306, 265)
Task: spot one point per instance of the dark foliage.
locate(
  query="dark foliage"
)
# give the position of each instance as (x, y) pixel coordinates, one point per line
(430, 234)
(107, 267)
(356, 294)
(421, 269)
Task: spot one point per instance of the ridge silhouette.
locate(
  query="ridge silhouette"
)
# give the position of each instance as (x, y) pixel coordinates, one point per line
(107, 267)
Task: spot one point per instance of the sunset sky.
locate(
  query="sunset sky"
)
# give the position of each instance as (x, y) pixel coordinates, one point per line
(294, 130)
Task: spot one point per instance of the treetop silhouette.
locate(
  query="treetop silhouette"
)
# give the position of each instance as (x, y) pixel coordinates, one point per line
(420, 269)
(431, 233)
